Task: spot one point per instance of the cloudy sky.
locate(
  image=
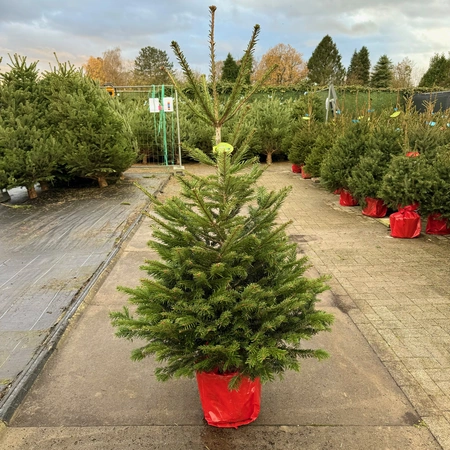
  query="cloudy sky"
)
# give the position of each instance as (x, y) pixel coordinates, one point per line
(77, 29)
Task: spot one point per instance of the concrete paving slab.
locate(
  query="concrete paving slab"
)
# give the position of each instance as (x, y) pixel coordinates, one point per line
(209, 438)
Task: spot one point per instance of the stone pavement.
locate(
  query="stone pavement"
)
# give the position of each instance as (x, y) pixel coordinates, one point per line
(396, 291)
(392, 394)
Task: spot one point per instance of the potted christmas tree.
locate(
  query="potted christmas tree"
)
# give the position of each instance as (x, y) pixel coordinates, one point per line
(228, 301)
(326, 136)
(304, 130)
(403, 186)
(336, 168)
(366, 176)
(435, 203)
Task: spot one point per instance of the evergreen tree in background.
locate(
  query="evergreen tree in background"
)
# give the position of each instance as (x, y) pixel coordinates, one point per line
(271, 122)
(405, 181)
(436, 199)
(382, 74)
(302, 140)
(438, 74)
(98, 142)
(326, 137)
(325, 66)
(28, 154)
(338, 163)
(383, 143)
(151, 66)
(359, 70)
(230, 69)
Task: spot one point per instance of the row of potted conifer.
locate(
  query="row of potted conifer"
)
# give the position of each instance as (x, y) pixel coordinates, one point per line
(384, 164)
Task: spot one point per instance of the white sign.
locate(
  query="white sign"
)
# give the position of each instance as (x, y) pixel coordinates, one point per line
(168, 104)
(153, 105)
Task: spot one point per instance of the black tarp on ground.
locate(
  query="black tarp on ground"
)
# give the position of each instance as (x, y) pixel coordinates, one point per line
(49, 248)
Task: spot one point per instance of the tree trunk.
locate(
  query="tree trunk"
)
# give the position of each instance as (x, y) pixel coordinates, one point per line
(269, 158)
(31, 192)
(102, 182)
(218, 135)
(144, 159)
(44, 185)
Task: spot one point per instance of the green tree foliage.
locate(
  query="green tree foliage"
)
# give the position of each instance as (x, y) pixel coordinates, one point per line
(325, 66)
(97, 139)
(326, 137)
(230, 69)
(228, 292)
(382, 143)
(436, 199)
(359, 70)
(382, 74)
(405, 181)
(272, 124)
(302, 139)
(438, 73)
(152, 66)
(336, 168)
(309, 105)
(28, 154)
(307, 112)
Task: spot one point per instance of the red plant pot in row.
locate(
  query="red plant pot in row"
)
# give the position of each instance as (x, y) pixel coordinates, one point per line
(375, 207)
(436, 224)
(347, 199)
(405, 223)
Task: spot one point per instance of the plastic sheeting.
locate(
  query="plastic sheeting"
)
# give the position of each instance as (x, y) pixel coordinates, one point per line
(347, 199)
(405, 223)
(375, 207)
(228, 409)
(436, 224)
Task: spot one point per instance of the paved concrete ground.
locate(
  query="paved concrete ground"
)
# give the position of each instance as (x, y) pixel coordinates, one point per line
(50, 248)
(391, 394)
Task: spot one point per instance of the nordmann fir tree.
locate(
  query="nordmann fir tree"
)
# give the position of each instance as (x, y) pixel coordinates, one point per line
(229, 293)
(97, 138)
(28, 153)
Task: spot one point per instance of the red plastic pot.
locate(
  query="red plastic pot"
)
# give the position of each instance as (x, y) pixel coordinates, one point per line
(375, 207)
(228, 409)
(436, 224)
(337, 191)
(305, 175)
(296, 168)
(405, 223)
(412, 154)
(347, 199)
